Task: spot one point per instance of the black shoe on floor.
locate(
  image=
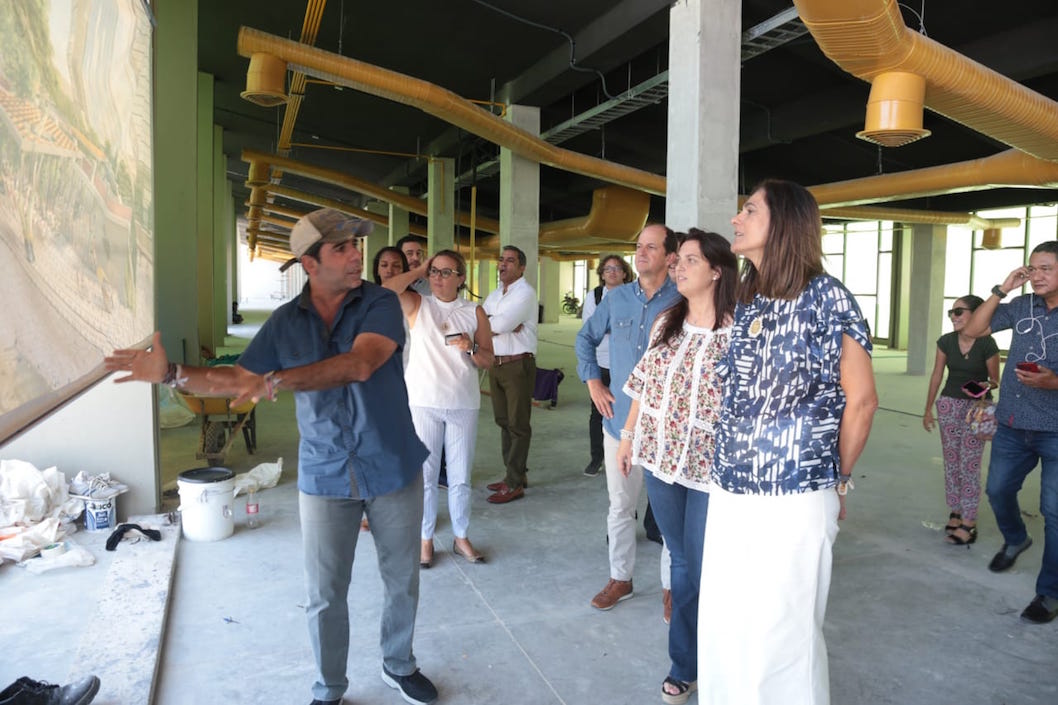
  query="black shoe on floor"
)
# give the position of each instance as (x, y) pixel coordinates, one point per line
(1041, 610)
(26, 691)
(415, 689)
(317, 701)
(593, 468)
(1007, 555)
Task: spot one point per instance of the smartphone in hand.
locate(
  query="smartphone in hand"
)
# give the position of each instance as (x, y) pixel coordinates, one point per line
(452, 337)
(976, 390)
(1028, 367)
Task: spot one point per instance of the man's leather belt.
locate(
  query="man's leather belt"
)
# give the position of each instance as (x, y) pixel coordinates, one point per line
(504, 359)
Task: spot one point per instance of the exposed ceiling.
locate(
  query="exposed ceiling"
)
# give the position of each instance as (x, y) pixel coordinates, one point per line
(800, 111)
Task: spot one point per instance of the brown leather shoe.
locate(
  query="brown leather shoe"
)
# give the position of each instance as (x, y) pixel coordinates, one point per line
(666, 605)
(506, 495)
(614, 592)
(496, 486)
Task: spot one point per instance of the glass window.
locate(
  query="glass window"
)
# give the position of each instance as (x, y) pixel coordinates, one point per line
(885, 297)
(1041, 229)
(957, 258)
(861, 261)
(835, 266)
(991, 267)
(833, 241)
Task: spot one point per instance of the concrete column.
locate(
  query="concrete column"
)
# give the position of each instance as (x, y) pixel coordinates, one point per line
(703, 125)
(223, 241)
(175, 176)
(380, 237)
(441, 204)
(204, 258)
(926, 296)
(485, 280)
(901, 311)
(398, 218)
(520, 194)
(550, 293)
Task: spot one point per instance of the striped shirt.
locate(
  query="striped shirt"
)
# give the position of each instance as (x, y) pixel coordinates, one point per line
(783, 400)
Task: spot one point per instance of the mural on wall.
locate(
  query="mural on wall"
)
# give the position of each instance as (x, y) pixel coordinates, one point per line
(76, 213)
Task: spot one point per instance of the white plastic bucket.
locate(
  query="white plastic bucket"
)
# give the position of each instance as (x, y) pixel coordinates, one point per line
(206, 497)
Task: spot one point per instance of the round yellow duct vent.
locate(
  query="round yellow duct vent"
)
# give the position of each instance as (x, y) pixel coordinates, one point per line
(992, 238)
(266, 81)
(894, 110)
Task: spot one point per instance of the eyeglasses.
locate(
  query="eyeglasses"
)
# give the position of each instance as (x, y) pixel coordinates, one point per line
(443, 273)
(611, 269)
(957, 311)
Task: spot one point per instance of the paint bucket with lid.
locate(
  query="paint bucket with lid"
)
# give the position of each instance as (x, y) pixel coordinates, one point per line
(206, 499)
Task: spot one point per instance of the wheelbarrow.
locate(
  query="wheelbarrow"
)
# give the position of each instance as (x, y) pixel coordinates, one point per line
(221, 424)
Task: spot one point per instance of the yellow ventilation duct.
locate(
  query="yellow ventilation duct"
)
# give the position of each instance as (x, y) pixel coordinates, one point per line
(443, 104)
(894, 110)
(265, 81)
(869, 37)
(617, 213)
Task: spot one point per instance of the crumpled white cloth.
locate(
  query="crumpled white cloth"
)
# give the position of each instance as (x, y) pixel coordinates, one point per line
(29, 541)
(74, 556)
(28, 495)
(262, 477)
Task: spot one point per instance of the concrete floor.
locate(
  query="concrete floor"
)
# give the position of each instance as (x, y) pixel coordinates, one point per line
(911, 620)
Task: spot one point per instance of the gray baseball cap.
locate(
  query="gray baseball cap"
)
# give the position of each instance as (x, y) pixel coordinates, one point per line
(324, 225)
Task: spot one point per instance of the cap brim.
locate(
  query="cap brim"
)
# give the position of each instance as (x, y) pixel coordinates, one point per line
(289, 263)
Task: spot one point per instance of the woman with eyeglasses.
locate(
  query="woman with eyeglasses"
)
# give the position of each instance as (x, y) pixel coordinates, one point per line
(973, 363)
(450, 340)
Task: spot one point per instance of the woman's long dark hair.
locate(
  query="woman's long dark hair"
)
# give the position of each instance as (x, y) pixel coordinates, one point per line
(717, 250)
(378, 256)
(793, 252)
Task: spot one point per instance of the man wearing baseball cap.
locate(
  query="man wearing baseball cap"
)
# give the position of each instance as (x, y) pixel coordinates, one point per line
(333, 346)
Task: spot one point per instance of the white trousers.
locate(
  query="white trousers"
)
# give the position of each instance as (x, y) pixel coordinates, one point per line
(456, 431)
(765, 581)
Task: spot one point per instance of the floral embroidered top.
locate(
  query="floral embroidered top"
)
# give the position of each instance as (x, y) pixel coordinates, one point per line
(679, 398)
(783, 400)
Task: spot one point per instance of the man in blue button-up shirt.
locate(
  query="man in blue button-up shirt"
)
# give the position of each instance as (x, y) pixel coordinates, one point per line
(1027, 417)
(627, 314)
(336, 346)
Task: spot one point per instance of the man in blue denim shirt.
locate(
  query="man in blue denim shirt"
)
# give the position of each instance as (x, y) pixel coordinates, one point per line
(336, 346)
(1027, 416)
(627, 314)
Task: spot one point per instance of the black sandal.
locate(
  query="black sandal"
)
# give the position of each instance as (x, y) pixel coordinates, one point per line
(971, 536)
(683, 690)
(949, 527)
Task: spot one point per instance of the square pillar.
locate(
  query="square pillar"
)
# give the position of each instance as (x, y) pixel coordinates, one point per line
(398, 218)
(441, 204)
(520, 194)
(926, 296)
(705, 69)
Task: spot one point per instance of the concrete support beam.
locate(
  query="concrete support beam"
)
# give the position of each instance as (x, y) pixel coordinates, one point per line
(441, 204)
(398, 218)
(926, 298)
(550, 291)
(704, 84)
(520, 194)
(379, 237)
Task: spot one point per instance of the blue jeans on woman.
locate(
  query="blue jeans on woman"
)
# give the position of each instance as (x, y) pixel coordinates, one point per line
(680, 513)
(1015, 453)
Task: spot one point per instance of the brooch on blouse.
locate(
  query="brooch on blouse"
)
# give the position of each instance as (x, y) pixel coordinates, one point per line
(755, 327)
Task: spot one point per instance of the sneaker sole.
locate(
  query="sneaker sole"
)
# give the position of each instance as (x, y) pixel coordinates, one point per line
(622, 598)
(407, 698)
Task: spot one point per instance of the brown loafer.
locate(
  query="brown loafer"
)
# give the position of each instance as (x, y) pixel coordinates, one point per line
(472, 555)
(506, 495)
(496, 486)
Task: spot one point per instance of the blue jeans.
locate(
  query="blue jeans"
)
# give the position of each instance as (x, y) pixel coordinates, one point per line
(680, 513)
(330, 527)
(1014, 455)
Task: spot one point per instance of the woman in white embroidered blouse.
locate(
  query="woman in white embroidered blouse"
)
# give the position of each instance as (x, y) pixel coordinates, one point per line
(676, 400)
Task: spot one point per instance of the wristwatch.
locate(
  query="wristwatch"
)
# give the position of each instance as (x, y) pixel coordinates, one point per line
(999, 292)
(473, 350)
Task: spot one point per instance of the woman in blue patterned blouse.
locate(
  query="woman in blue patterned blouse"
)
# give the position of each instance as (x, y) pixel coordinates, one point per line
(798, 403)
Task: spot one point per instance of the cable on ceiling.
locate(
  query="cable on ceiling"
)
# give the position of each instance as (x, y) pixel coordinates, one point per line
(569, 38)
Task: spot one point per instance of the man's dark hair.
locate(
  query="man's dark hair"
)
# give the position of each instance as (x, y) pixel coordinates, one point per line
(1050, 246)
(521, 255)
(418, 239)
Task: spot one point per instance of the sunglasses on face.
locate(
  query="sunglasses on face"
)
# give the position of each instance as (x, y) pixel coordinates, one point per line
(957, 311)
(443, 273)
